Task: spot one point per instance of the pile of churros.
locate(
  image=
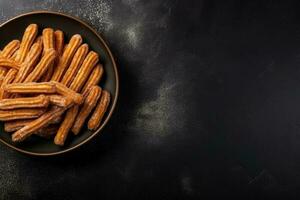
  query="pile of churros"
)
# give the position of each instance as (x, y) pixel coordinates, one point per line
(49, 88)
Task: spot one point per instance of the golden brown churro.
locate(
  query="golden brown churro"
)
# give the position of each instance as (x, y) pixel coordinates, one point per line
(63, 90)
(66, 58)
(43, 65)
(44, 87)
(30, 61)
(14, 56)
(94, 79)
(24, 113)
(100, 109)
(10, 49)
(48, 43)
(84, 72)
(27, 40)
(9, 63)
(59, 42)
(10, 76)
(88, 104)
(66, 125)
(39, 40)
(37, 124)
(40, 101)
(14, 125)
(75, 64)
(48, 39)
(60, 100)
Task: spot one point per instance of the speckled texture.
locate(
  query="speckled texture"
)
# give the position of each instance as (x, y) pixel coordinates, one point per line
(208, 105)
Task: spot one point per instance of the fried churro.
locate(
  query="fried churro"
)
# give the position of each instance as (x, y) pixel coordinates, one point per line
(10, 76)
(27, 40)
(60, 100)
(37, 124)
(75, 64)
(66, 125)
(23, 113)
(66, 58)
(88, 105)
(99, 111)
(43, 87)
(94, 79)
(84, 71)
(63, 90)
(10, 49)
(59, 42)
(40, 101)
(15, 125)
(43, 65)
(30, 61)
(9, 63)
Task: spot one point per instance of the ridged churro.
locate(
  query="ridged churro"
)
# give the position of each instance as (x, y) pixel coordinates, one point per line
(10, 49)
(84, 71)
(87, 106)
(27, 40)
(37, 124)
(9, 63)
(24, 113)
(43, 65)
(40, 101)
(99, 111)
(30, 61)
(63, 90)
(66, 125)
(43, 87)
(59, 42)
(75, 64)
(60, 100)
(15, 125)
(94, 79)
(66, 58)
(10, 76)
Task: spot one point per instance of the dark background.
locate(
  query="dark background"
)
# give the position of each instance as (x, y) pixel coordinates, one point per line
(209, 105)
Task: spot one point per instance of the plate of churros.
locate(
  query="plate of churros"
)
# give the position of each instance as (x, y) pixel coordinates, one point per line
(58, 83)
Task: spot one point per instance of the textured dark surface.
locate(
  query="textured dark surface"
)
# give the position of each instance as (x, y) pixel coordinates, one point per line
(209, 105)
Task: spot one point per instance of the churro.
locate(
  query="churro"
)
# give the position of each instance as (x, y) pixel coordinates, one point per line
(10, 49)
(88, 104)
(40, 101)
(63, 90)
(66, 58)
(10, 76)
(24, 113)
(94, 79)
(75, 64)
(44, 87)
(37, 124)
(66, 125)
(9, 63)
(27, 40)
(43, 65)
(99, 111)
(84, 71)
(59, 42)
(30, 61)
(60, 100)
(15, 125)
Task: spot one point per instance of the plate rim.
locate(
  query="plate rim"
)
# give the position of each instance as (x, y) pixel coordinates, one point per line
(101, 38)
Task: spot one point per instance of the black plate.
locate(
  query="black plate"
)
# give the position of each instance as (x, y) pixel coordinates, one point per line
(15, 27)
